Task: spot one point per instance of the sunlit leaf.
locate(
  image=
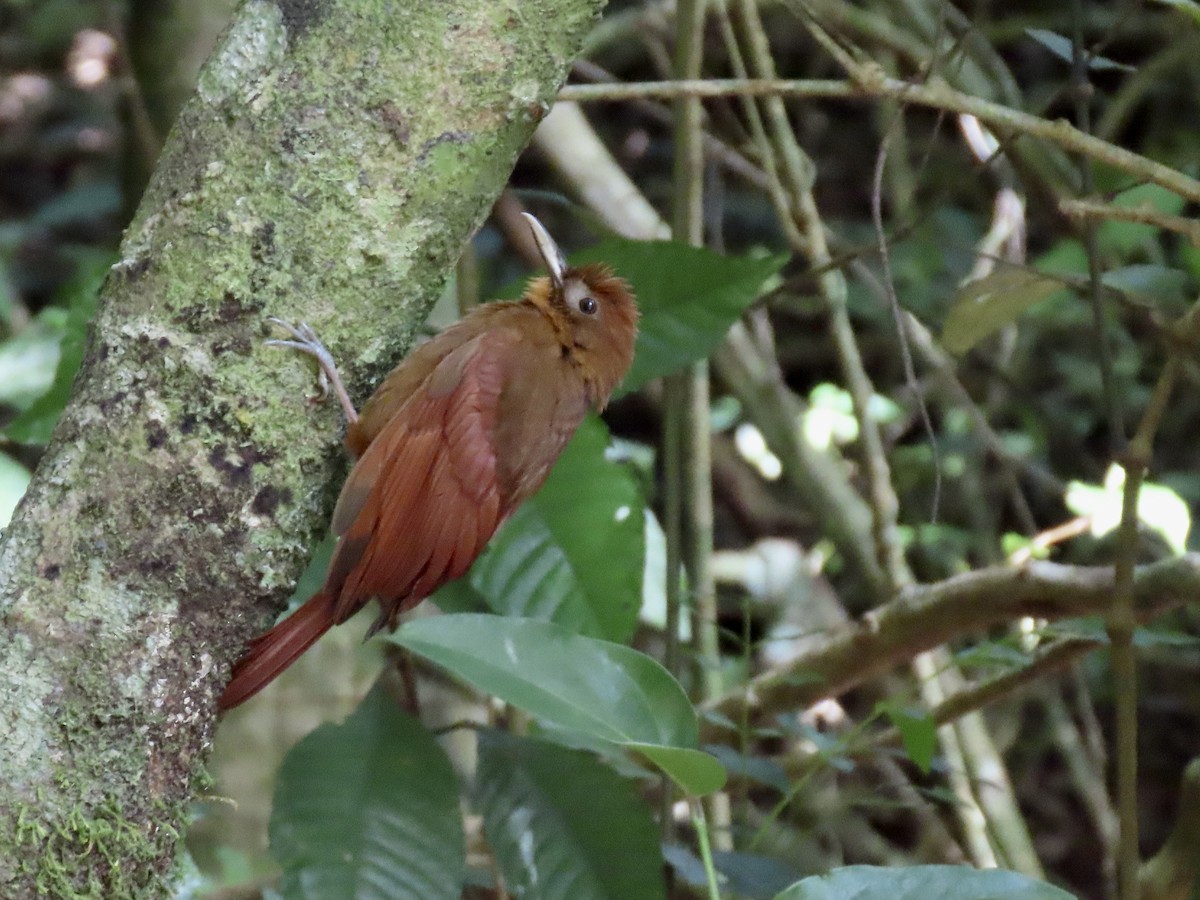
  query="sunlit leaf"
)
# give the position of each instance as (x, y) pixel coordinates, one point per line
(1159, 507)
(369, 809)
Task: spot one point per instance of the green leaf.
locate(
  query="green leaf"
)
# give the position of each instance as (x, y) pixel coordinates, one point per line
(921, 883)
(1062, 48)
(992, 654)
(754, 768)
(368, 809)
(1190, 8)
(85, 202)
(564, 825)
(28, 359)
(34, 425)
(14, 479)
(459, 597)
(752, 875)
(696, 772)
(1160, 284)
(576, 682)
(984, 306)
(574, 553)
(688, 297)
(1121, 240)
(573, 682)
(1013, 541)
(918, 733)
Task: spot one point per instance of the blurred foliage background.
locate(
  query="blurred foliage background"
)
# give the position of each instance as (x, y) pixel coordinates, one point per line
(1025, 425)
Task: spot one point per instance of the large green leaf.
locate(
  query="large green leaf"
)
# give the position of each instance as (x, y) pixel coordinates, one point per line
(921, 883)
(368, 809)
(562, 824)
(577, 683)
(574, 553)
(688, 296)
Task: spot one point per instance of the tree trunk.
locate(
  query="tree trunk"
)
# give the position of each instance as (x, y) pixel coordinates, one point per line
(335, 158)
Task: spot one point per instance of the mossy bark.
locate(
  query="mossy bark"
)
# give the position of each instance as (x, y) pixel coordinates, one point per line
(335, 157)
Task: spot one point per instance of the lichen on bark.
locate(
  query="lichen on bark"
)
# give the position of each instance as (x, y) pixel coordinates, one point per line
(335, 158)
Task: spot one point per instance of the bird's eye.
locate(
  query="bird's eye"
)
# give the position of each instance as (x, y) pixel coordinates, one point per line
(587, 306)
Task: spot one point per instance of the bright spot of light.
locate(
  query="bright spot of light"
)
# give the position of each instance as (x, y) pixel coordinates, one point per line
(90, 60)
(1158, 507)
(753, 447)
(21, 91)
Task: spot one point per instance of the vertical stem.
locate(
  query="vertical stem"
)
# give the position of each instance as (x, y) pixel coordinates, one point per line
(673, 531)
(1082, 90)
(696, 428)
(710, 871)
(1121, 624)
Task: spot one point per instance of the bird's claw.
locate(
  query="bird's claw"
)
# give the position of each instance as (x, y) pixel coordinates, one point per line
(305, 340)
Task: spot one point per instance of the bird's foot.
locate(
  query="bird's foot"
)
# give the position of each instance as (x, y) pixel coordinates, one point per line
(304, 339)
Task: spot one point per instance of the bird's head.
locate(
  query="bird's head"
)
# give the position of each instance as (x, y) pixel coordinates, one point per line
(593, 311)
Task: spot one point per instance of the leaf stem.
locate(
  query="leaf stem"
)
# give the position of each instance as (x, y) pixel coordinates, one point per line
(701, 825)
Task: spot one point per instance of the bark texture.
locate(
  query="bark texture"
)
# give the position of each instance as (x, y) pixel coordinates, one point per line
(334, 159)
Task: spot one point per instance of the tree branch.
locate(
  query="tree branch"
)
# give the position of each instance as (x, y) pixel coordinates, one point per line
(930, 615)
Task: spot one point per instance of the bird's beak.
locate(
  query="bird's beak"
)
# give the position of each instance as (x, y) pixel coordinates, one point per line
(556, 263)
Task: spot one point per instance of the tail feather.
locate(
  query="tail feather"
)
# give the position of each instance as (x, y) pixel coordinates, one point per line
(270, 654)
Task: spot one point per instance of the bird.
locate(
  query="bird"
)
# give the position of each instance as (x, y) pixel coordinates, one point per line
(453, 440)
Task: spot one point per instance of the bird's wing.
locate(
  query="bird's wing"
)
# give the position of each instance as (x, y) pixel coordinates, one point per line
(423, 500)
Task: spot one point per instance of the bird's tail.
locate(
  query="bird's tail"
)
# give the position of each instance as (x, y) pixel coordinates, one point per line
(274, 651)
